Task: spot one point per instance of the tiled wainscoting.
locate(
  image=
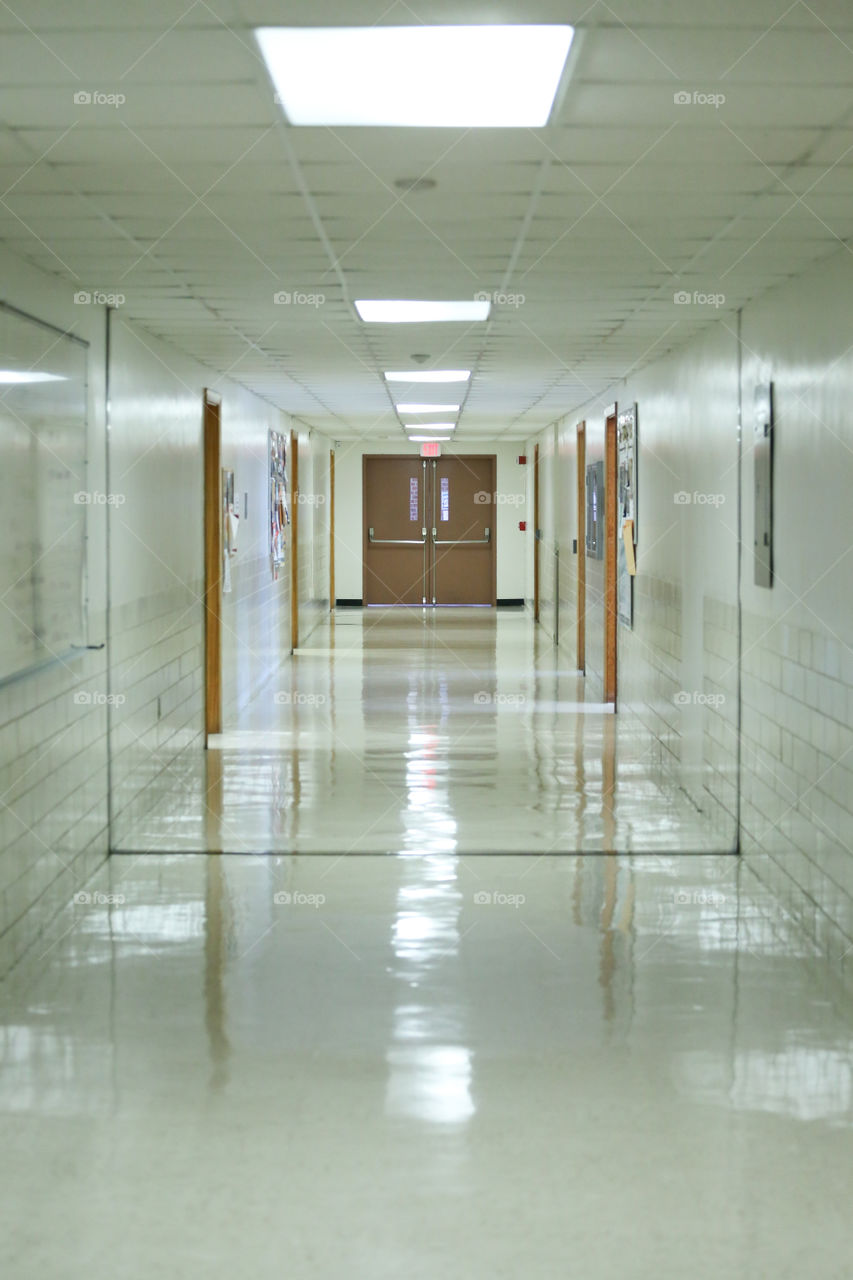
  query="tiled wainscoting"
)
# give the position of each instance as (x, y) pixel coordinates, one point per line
(53, 793)
(255, 630)
(797, 773)
(157, 674)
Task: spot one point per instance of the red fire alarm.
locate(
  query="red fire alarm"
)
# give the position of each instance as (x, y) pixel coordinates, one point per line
(522, 525)
(522, 459)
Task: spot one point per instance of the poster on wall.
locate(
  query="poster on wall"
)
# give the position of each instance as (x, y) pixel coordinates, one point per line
(626, 439)
(279, 516)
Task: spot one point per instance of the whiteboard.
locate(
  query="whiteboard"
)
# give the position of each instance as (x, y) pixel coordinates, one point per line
(43, 398)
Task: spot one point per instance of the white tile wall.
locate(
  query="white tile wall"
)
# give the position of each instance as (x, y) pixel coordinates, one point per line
(53, 750)
(796, 738)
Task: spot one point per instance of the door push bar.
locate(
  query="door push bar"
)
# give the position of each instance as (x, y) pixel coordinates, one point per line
(462, 542)
(396, 542)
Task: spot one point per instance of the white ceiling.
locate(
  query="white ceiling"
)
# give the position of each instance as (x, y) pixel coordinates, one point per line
(195, 201)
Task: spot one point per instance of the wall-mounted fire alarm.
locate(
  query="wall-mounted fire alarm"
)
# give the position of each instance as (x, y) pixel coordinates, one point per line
(522, 459)
(522, 525)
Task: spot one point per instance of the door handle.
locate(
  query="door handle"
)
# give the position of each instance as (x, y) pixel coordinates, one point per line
(462, 542)
(395, 542)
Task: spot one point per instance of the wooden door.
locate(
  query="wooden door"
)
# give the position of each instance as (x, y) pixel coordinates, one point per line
(611, 535)
(581, 545)
(395, 530)
(536, 538)
(213, 552)
(462, 528)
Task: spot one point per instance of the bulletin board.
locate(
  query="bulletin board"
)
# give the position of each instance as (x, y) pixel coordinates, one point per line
(626, 440)
(279, 514)
(43, 427)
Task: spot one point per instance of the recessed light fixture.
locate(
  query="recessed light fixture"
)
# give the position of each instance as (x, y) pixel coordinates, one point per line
(434, 375)
(427, 408)
(489, 76)
(430, 439)
(14, 376)
(420, 311)
(429, 426)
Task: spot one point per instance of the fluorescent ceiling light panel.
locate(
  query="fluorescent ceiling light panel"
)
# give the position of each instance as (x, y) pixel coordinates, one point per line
(14, 376)
(398, 311)
(427, 408)
(429, 426)
(429, 439)
(465, 77)
(435, 375)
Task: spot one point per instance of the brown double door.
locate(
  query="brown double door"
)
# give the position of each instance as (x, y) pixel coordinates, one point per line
(429, 530)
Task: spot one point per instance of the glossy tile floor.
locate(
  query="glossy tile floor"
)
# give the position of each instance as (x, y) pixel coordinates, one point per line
(424, 1066)
(422, 731)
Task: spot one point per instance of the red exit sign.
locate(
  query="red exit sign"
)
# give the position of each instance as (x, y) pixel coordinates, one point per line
(432, 449)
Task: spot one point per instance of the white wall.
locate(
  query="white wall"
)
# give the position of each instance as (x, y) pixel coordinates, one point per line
(53, 749)
(511, 484)
(55, 765)
(678, 666)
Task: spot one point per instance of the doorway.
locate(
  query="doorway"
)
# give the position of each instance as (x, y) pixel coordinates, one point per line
(429, 530)
(611, 535)
(212, 449)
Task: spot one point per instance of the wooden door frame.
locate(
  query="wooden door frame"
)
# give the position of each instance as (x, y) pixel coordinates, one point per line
(213, 551)
(581, 532)
(294, 540)
(611, 534)
(331, 528)
(536, 533)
